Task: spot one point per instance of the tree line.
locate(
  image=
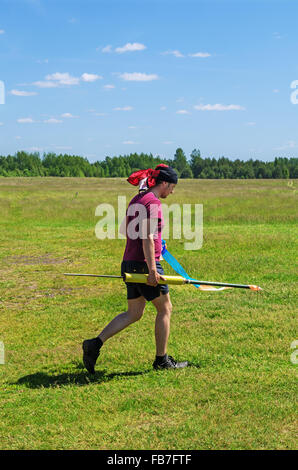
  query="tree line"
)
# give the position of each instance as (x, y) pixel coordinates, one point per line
(51, 164)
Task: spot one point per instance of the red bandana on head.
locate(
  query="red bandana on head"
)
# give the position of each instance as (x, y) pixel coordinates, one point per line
(150, 174)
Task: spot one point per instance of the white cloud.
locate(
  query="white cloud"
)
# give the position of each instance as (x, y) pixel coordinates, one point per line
(288, 145)
(35, 149)
(182, 111)
(1, 123)
(124, 108)
(219, 107)
(167, 142)
(200, 54)
(90, 77)
(251, 123)
(107, 49)
(130, 47)
(277, 35)
(44, 61)
(58, 147)
(131, 127)
(57, 79)
(22, 93)
(291, 144)
(52, 121)
(25, 120)
(109, 87)
(129, 142)
(175, 53)
(18, 137)
(2, 31)
(275, 90)
(68, 115)
(138, 77)
(63, 78)
(163, 108)
(46, 84)
(93, 111)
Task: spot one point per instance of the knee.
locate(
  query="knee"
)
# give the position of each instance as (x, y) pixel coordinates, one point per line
(135, 315)
(169, 307)
(166, 309)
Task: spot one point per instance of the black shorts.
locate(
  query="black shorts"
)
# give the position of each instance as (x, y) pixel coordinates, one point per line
(135, 290)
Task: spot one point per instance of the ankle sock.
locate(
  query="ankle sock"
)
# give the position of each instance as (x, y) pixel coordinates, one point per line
(99, 343)
(160, 359)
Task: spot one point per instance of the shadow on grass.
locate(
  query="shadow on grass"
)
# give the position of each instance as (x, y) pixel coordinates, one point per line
(81, 377)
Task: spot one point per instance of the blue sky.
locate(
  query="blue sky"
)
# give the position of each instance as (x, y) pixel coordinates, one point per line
(97, 78)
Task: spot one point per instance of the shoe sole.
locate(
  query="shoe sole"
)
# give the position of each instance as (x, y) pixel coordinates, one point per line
(185, 364)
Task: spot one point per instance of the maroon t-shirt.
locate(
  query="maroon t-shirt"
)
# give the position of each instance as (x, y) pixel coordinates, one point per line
(142, 206)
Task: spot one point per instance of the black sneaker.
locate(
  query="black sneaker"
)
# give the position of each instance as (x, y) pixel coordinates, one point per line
(169, 363)
(91, 350)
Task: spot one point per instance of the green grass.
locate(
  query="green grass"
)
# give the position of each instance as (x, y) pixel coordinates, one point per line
(240, 392)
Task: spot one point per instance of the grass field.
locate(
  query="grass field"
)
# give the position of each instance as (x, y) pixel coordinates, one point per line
(241, 391)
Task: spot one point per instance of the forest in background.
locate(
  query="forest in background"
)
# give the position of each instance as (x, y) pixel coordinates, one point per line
(196, 166)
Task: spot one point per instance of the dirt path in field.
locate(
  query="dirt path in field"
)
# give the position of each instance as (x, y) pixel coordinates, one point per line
(20, 288)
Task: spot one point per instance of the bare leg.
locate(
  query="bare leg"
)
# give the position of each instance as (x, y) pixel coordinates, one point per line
(134, 313)
(163, 307)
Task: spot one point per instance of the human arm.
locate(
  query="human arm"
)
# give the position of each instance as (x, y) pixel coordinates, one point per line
(149, 253)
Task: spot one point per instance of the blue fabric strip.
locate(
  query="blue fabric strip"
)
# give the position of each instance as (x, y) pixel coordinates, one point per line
(174, 263)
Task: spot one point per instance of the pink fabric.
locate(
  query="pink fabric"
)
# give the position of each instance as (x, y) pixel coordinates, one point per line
(152, 209)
